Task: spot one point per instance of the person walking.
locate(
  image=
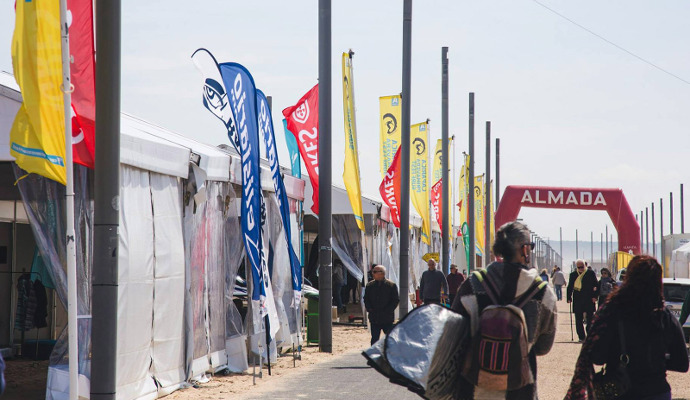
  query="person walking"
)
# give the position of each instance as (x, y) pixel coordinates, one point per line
(338, 274)
(558, 281)
(431, 283)
(380, 300)
(635, 328)
(582, 293)
(454, 280)
(606, 284)
(514, 281)
(544, 275)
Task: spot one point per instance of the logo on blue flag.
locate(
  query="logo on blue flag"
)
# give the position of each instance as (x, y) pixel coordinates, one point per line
(266, 130)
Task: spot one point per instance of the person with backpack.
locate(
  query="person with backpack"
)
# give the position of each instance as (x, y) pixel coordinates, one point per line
(636, 337)
(512, 314)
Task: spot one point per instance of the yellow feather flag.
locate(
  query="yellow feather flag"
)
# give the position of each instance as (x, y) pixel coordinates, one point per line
(464, 189)
(479, 214)
(492, 224)
(437, 166)
(390, 130)
(419, 173)
(351, 169)
(37, 137)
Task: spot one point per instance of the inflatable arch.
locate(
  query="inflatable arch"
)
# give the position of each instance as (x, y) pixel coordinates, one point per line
(611, 200)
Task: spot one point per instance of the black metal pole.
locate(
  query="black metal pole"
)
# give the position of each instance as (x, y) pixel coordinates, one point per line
(487, 197)
(653, 234)
(560, 234)
(325, 255)
(607, 244)
(641, 230)
(470, 197)
(670, 210)
(445, 234)
(405, 157)
(601, 248)
(497, 196)
(682, 211)
(591, 246)
(106, 198)
(661, 229)
(646, 225)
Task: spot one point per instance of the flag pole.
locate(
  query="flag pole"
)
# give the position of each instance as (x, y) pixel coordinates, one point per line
(106, 217)
(446, 226)
(73, 329)
(405, 158)
(325, 178)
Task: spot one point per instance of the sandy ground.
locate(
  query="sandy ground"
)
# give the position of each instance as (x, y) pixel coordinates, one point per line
(26, 379)
(554, 369)
(346, 339)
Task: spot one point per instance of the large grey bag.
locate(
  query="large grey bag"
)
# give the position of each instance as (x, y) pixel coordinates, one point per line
(423, 352)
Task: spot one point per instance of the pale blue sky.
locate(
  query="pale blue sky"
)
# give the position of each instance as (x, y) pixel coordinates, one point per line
(570, 109)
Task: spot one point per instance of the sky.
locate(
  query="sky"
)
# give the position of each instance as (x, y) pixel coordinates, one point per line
(571, 109)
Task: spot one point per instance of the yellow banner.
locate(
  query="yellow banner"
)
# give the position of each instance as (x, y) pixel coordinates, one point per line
(419, 172)
(479, 213)
(464, 189)
(37, 137)
(351, 169)
(437, 166)
(390, 130)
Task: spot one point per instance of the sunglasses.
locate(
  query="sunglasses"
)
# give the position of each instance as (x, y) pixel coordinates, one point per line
(582, 267)
(530, 244)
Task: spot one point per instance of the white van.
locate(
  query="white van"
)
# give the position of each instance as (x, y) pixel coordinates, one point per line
(675, 291)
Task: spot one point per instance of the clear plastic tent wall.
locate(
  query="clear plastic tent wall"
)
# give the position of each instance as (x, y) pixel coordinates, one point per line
(280, 273)
(347, 243)
(213, 255)
(235, 331)
(44, 203)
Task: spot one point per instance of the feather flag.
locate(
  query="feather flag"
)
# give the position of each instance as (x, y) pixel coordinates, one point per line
(390, 189)
(37, 136)
(351, 167)
(389, 121)
(303, 122)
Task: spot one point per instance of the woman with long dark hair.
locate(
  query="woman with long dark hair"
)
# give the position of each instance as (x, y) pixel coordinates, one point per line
(652, 336)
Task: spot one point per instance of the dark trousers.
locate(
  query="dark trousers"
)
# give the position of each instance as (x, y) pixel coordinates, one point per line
(559, 292)
(432, 301)
(580, 317)
(376, 330)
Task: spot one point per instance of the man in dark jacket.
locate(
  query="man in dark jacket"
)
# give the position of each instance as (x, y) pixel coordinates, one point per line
(454, 280)
(380, 300)
(431, 283)
(582, 293)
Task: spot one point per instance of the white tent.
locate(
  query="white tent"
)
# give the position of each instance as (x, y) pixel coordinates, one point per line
(175, 311)
(680, 262)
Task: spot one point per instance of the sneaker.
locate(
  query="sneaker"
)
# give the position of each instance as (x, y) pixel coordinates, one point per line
(581, 341)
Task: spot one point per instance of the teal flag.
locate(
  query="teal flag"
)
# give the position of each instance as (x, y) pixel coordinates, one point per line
(294, 151)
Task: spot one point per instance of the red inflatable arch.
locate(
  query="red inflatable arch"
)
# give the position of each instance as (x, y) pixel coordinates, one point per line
(611, 200)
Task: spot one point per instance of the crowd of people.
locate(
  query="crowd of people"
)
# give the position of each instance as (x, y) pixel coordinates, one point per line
(623, 326)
